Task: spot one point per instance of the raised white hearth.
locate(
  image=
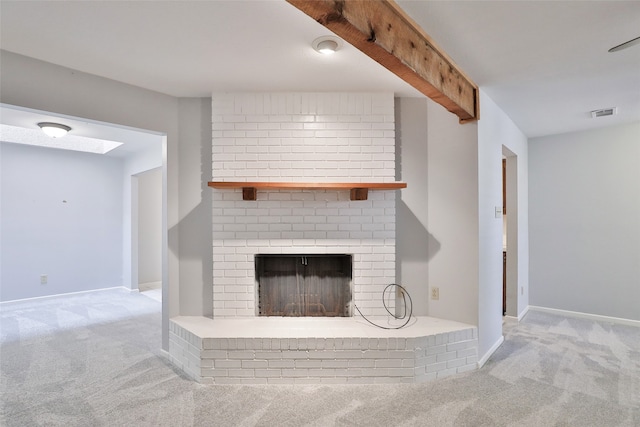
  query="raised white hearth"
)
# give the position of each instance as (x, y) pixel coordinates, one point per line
(277, 350)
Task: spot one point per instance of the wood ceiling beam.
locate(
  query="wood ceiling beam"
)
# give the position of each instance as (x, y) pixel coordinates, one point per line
(385, 33)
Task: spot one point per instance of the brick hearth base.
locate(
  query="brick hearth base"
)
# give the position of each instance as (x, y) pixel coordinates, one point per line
(320, 350)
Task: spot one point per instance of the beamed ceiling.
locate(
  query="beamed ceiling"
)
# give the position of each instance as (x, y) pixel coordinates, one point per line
(544, 63)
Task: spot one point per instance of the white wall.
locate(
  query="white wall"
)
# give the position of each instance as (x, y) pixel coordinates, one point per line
(61, 216)
(437, 231)
(135, 164)
(452, 183)
(150, 226)
(495, 131)
(412, 233)
(585, 221)
(1, 223)
(35, 84)
(196, 253)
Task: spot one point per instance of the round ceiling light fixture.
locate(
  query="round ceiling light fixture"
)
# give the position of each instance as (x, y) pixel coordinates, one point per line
(327, 45)
(54, 130)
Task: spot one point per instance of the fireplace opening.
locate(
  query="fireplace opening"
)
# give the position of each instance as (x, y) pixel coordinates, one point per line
(304, 285)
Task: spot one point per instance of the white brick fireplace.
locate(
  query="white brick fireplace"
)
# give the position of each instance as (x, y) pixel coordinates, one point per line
(308, 137)
(287, 137)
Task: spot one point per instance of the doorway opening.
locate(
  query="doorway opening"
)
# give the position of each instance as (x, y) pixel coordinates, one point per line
(504, 235)
(510, 286)
(131, 151)
(147, 192)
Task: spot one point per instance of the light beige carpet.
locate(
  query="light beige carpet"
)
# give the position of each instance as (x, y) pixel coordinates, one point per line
(94, 360)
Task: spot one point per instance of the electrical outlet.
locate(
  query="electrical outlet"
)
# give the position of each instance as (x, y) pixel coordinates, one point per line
(521, 290)
(43, 279)
(435, 293)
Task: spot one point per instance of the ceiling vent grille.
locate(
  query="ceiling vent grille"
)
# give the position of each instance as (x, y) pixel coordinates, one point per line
(604, 112)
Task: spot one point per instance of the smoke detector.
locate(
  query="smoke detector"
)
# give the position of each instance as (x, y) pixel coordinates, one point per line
(604, 112)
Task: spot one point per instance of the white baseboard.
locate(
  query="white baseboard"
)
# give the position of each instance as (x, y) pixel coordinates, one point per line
(63, 295)
(596, 317)
(489, 353)
(156, 284)
(520, 316)
(165, 354)
(524, 313)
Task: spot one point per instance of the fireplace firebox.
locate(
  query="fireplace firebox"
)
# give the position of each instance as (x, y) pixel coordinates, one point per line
(304, 285)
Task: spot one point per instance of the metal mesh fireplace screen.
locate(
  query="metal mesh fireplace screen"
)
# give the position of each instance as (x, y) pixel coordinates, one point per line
(304, 285)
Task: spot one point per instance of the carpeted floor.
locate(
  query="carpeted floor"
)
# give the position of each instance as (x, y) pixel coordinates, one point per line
(93, 360)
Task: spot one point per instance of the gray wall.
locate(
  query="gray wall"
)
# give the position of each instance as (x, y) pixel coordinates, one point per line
(453, 215)
(412, 234)
(134, 164)
(61, 216)
(196, 224)
(437, 229)
(150, 226)
(585, 221)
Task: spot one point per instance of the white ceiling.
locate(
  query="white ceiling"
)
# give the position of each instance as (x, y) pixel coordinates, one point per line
(544, 62)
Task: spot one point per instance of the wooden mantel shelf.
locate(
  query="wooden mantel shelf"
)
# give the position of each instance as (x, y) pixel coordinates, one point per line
(359, 190)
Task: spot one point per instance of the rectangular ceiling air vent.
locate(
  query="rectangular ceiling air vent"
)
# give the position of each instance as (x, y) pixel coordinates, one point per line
(604, 112)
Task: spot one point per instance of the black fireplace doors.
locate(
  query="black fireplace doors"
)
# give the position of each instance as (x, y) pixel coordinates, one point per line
(304, 285)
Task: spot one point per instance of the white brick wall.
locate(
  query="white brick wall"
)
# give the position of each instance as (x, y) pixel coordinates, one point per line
(308, 137)
(329, 137)
(322, 360)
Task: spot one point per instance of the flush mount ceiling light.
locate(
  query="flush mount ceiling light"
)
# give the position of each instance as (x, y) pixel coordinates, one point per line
(31, 136)
(625, 45)
(327, 45)
(54, 130)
